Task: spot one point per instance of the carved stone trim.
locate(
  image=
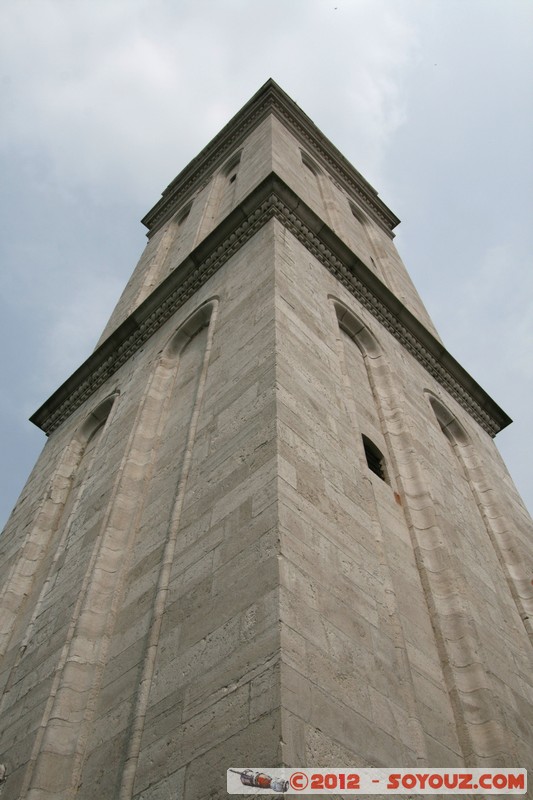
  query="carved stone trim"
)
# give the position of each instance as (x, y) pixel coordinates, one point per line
(272, 198)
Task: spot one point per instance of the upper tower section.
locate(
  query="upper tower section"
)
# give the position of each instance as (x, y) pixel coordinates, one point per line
(270, 135)
(269, 162)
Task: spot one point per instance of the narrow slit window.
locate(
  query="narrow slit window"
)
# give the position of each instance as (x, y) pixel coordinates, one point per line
(374, 459)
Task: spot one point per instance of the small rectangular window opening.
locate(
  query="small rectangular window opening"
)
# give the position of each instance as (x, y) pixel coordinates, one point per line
(374, 459)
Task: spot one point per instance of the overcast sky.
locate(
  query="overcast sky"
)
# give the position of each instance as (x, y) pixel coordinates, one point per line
(105, 101)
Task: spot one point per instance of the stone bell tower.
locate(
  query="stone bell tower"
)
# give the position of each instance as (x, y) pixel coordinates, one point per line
(269, 526)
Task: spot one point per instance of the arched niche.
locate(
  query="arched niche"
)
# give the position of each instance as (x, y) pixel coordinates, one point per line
(194, 323)
(358, 214)
(96, 419)
(182, 215)
(231, 164)
(311, 165)
(448, 422)
(356, 329)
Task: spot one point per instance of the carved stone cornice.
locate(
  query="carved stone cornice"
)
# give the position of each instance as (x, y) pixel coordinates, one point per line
(271, 199)
(270, 99)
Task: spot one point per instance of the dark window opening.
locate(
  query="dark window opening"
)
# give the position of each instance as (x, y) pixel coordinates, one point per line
(374, 459)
